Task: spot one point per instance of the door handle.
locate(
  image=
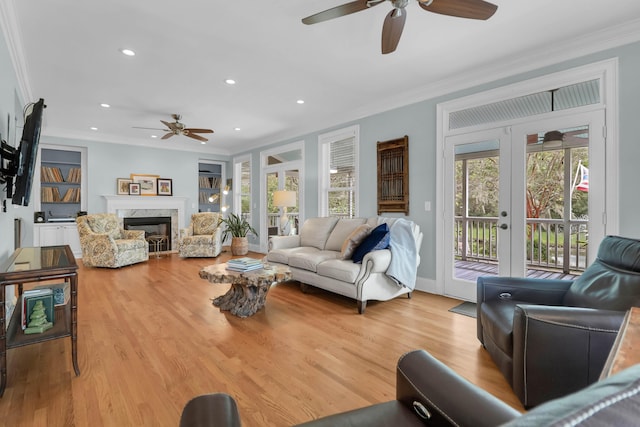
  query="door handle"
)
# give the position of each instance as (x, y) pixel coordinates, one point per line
(504, 226)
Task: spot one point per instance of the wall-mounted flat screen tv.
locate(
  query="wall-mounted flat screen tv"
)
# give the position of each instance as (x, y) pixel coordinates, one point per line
(27, 152)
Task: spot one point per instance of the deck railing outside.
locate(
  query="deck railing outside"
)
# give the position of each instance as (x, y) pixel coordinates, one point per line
(477, 240)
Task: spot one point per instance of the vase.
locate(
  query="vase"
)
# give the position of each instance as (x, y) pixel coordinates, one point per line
(239, 246)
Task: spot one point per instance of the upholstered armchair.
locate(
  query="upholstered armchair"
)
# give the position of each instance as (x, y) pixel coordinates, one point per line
(550, 338)
(203, 237)
(106, 244)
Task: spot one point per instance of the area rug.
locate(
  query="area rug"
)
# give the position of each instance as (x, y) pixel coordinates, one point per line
(466, 309)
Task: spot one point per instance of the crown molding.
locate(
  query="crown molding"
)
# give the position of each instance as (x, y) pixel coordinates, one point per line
(11, 32)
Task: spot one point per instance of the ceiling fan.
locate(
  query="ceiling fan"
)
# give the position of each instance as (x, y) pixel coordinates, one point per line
(394, 22)
(177, 128)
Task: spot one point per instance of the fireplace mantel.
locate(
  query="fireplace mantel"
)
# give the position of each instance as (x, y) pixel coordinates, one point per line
(120, 203)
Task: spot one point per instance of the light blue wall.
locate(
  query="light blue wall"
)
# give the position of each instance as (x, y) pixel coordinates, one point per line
(8, 93)
(108, 161)
(418, 121)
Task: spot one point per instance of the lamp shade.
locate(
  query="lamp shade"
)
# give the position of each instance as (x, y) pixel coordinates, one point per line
(283, 198)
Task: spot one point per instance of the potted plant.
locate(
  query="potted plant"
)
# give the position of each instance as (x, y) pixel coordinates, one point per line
(239, 228)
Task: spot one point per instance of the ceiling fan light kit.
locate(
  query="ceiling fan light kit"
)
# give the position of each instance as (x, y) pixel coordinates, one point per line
(394, 21)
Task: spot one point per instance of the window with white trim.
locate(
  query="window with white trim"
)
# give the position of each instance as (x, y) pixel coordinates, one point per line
(339, 173)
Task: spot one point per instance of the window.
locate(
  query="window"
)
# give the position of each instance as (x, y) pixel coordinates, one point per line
(242, 192)
(339, 173)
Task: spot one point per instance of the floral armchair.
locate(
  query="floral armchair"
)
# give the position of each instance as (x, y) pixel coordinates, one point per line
(203, 238)
(105, 244)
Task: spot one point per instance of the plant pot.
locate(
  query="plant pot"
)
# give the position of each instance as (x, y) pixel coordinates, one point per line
(239, 246)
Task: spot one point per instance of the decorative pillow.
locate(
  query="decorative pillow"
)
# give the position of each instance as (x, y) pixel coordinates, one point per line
(353, 240)
(378, 239)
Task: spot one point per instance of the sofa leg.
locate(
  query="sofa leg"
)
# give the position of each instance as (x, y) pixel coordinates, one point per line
(304, 288)
(361, 306)
(409, 295)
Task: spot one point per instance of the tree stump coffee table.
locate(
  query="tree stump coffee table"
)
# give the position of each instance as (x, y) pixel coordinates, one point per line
(248, 292)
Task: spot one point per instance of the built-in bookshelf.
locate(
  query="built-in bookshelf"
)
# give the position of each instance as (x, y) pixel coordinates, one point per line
(60, 183)
(210, 182)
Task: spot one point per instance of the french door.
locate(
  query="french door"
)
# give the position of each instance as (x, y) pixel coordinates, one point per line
(522, 200)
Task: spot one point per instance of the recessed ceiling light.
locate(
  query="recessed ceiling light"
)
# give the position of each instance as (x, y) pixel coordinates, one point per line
(300, 101)
(128, 52)
(93, 128)
(202, 142)
(154, 136)
(230, 81)
(237, 129)
(103, 105)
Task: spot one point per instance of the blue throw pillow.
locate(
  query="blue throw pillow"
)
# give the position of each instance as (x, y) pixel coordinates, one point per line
(376, 240)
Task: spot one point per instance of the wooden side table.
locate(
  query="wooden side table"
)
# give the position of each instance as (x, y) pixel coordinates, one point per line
(248, 292)
(38, 264)
(626, 348)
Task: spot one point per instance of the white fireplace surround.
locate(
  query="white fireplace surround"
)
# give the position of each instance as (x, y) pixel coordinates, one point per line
(147, 206)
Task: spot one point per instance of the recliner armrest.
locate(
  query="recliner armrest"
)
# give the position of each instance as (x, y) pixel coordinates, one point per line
(558, 350)
(449, 398)
(210, 410)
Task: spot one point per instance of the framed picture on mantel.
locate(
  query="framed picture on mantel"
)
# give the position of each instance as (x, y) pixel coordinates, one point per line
(123, 186)
(148, 183)
(165, 187)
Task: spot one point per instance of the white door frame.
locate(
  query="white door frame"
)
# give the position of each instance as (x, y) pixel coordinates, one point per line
(607, 73)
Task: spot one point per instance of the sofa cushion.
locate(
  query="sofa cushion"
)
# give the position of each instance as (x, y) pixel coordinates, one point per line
(316, 231)
(377, 239)
(282, 255)
(345, 271)
(105, 223)
(205, 222)
(310, 260)
(341, 231)
(353, 241)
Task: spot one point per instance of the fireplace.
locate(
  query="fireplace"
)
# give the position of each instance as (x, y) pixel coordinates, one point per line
(150, 206)
(152, 226)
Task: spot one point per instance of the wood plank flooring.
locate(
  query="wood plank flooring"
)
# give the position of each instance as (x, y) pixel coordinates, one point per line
(149, 340)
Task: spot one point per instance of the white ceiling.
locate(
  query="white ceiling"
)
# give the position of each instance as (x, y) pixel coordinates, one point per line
(67, 52)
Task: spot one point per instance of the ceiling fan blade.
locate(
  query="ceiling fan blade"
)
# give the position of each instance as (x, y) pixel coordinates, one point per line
(471, 9)
(138, 127)
(194, 136)
(171, 126)
(167, 135)
(196, 130)
(392, 29)
(335, 12)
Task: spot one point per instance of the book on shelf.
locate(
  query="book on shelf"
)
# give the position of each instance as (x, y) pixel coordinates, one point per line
(61, 292)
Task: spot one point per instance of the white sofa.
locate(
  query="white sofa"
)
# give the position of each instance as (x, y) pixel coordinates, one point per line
(314, 257)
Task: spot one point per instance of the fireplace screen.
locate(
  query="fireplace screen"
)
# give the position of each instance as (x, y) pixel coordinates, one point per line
(152, 226)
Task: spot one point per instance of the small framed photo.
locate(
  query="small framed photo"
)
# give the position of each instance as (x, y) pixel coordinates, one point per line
(122, 185)
(165, 187)
(148, 183)
(134, 189)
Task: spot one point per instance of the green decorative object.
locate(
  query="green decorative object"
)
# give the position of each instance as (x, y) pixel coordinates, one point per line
(236, 226)
(38, 320)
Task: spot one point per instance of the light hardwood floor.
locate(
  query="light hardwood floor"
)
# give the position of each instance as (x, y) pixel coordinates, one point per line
(149, 340)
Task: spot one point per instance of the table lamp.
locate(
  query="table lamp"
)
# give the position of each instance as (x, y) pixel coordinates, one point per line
(284, 199)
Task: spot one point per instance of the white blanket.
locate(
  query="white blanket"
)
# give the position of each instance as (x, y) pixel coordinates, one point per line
(404, 254)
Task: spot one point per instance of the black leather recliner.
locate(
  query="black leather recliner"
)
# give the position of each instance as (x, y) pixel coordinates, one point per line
(429, 393)
(550, 338)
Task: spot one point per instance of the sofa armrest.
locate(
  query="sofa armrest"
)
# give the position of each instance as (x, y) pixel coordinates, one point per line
(558, 350)
(284, 242)
(185, 232)
(449, 398)
(133, 234)
(210, 410)
(100, 243)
